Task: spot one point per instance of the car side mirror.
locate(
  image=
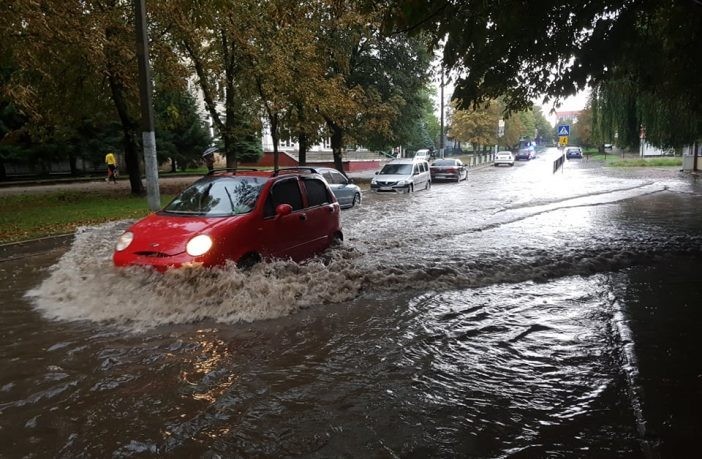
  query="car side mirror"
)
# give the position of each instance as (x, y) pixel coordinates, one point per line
(349, 180)
(283, 210)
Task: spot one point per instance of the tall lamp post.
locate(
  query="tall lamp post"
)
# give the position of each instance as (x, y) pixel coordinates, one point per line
(441, 134)
(148, 136)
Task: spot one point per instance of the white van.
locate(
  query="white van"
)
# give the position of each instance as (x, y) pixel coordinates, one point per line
(422, 155)
(402, 176)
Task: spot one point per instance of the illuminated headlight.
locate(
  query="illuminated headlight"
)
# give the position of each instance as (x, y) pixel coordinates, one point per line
(124, 241)
(199, 245)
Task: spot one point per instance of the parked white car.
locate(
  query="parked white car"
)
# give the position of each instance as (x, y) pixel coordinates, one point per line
(402, 176)
(504, 157)
(422, 155)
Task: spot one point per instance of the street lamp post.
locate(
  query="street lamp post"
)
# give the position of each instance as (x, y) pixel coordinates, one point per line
(148, 136)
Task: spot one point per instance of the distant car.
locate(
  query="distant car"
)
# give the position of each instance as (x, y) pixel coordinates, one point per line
(402, 176)
(574, 153)
(347, 193)
(243, 218)
(448, 169)
(423, 155)
(607, 147)
(525, 153)
(504, 157)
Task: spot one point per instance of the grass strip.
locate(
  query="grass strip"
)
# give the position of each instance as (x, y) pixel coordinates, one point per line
(29, 216)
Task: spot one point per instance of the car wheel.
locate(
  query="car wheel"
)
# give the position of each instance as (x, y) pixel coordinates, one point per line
(248, 260)
(356, 200)
(428, 187)
(337, 239)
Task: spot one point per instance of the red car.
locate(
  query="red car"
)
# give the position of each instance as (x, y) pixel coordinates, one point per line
(243, 218)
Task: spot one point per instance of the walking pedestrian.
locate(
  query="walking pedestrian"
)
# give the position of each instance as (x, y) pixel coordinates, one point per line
(111, 162)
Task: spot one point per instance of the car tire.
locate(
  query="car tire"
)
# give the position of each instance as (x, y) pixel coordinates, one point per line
(356, 200)
(248, 261)
(337, 239)
(428, 186)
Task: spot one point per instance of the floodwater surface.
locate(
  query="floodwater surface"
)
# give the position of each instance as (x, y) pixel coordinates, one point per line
(519, 313)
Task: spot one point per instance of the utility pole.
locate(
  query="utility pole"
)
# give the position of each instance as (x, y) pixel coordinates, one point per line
(148, 137)
(441, 135)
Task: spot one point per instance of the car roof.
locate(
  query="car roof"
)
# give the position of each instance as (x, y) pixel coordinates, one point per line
(402, 161)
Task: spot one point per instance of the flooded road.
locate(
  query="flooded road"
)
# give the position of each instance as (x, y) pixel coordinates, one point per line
(517, 314)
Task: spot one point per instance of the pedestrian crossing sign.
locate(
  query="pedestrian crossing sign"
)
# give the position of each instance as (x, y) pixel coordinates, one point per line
(564, 130)
(563, 141)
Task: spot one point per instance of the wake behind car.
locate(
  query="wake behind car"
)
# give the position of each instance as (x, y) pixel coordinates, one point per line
(448, 169)
(402, 176)
(244, 218)
(504, 157)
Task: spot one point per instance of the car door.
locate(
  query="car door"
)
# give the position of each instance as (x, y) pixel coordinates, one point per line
(339, 186)
(322, 215)
(283, 235)
(420, 176)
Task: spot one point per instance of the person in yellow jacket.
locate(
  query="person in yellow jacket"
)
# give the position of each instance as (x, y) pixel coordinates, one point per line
(111, 162)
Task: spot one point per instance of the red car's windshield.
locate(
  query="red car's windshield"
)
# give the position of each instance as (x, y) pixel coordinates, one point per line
(218, 197)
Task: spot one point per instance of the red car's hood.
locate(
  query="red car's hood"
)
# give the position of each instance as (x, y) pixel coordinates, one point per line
(169, 234)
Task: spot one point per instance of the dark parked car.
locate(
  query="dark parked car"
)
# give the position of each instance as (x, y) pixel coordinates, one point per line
(525, 153)
(574, 153)
(448, 169)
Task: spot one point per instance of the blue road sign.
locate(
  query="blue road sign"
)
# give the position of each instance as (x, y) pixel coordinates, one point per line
(563, 130)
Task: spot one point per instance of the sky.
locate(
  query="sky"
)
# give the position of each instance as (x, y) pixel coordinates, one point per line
(576, 102)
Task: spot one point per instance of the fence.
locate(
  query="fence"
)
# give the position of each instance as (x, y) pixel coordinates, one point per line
(558, 163)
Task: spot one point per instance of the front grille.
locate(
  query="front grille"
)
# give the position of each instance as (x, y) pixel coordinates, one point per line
(152, 254)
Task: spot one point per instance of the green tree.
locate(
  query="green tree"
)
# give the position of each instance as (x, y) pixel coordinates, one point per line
(527, 50)
(212, 35)
(181, 135)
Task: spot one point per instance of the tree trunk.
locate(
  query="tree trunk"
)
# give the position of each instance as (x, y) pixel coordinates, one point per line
(131, 158)
(3, 171)
(337, 137)
(174, 166)
(72, 160)
(302, 141)
(275, 137)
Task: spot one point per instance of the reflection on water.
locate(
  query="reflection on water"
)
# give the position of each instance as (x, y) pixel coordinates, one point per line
(514, 314)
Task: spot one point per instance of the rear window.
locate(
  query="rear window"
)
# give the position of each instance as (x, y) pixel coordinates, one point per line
(444, 162)
(218, 197)
(316, 192)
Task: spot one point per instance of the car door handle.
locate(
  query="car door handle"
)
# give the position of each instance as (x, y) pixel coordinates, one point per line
(303, 217)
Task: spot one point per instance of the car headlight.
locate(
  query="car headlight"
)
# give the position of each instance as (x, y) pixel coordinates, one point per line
(199, 245)
(124, 240)
(402, 183)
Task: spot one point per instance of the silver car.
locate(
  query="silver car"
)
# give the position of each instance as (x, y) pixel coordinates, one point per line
(346, 193)
(402, 176)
